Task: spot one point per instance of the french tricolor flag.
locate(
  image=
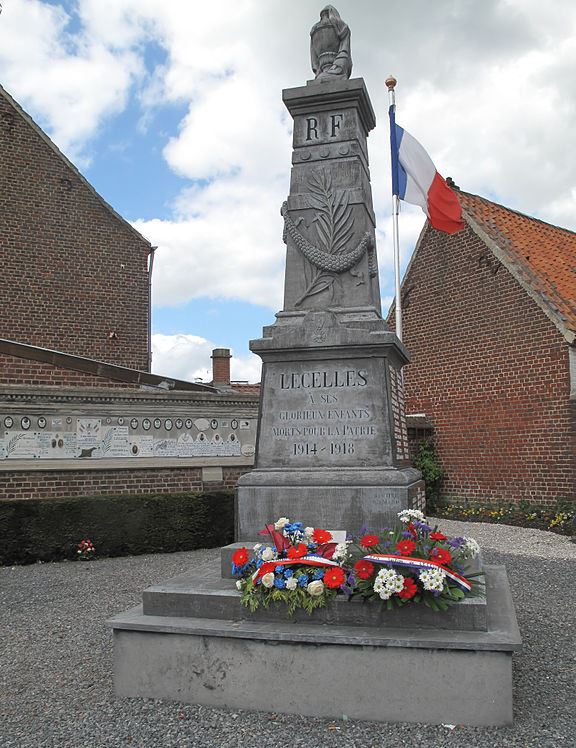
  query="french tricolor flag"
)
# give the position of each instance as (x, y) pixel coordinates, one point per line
(416, 181)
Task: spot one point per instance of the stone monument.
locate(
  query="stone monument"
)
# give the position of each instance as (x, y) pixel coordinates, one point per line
(332, 442)
(331, 452)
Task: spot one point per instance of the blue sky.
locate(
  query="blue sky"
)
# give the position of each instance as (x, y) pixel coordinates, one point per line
(173, 112)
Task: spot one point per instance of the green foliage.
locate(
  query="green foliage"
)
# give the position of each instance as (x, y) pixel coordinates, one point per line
(255, 596)
(427, 463)
(49, 529)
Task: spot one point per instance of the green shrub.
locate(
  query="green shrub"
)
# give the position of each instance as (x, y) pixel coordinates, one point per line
(427, 463)
(50, 529)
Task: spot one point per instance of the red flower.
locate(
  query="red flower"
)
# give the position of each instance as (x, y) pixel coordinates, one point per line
(368, 541)
(321, 536)
(364, 569)
(412, 530)
(405, 547)
(409, 590)
(334, 578)
(297, 551)
(437, 536)
(441, 556)
(240, 557)
(266, 567)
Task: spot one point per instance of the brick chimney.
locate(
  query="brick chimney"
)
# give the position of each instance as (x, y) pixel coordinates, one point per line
(221, 367)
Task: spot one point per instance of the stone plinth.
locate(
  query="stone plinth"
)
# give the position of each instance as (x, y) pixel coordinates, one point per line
(193, 642)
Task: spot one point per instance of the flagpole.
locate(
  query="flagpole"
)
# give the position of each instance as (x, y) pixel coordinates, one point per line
(391, 84)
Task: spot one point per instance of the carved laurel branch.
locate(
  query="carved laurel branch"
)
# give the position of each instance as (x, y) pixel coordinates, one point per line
(335, 227)
(334, 263)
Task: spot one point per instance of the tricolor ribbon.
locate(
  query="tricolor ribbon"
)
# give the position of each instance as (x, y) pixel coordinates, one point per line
(418, 563)
(269, 566)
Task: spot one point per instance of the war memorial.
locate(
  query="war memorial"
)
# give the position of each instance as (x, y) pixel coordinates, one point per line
(332, 452)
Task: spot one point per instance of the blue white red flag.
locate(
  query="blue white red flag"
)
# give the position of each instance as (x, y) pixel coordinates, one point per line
(416, 181)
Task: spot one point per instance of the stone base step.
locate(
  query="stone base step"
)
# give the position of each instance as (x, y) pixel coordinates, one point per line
(203, 593)
(428, 675)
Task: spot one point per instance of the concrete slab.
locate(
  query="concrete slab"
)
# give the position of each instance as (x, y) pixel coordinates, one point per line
(365, 672)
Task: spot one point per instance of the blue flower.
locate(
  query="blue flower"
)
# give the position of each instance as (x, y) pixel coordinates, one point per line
(292, 527)
(318, 574)
(303, 580)
(279, 569)
(422, 526)
(456, 542)
(279, 582)
(259, 563)
(288, 573)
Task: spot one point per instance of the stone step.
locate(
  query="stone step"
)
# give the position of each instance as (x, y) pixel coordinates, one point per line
(203, 593)
(363, 672)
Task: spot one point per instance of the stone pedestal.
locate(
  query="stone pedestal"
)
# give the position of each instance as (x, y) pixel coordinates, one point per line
(332, 445)
(192, 641)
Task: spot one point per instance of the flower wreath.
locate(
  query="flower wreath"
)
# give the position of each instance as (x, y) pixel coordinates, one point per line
(304, 567)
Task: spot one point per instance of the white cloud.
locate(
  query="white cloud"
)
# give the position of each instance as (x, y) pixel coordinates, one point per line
(187, 357)
(488, 91)
(71, 82)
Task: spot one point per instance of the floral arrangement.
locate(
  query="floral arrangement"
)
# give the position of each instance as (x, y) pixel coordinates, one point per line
(86, 550)
(304, 567)
(414, 563)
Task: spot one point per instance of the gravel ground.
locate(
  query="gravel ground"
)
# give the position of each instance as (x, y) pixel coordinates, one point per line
(56, 660)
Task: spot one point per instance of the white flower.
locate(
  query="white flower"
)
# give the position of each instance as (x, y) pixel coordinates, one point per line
(291, 583)
(268, 554)
(340, 551)
(470, 549)
(388, 582)
(433, 579)
(268, 579)
(257, 547)
(308, 532)
(315, 588)
(411, 515)
(239, 584)
(279, 524)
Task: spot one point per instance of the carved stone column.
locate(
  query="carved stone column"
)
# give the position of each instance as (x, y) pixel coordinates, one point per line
(332, 445)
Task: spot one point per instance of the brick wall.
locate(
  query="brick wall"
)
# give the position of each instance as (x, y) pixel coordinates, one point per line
(52, 484)
(490, 371)
(23, 371)
(72, 271)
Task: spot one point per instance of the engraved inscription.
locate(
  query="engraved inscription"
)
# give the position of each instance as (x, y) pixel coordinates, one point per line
(329, 126)
(324, 415)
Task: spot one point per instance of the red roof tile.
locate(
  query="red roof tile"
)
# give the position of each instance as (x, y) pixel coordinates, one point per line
(543, 255)
(253, 389)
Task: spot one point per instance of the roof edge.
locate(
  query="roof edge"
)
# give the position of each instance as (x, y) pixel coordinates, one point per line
(50, 143)
(98, 368)
(517, 212)
(568, 334)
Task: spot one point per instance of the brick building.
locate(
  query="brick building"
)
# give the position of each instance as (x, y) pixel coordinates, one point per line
(80, 412)
(489, 316)
(74, 273)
